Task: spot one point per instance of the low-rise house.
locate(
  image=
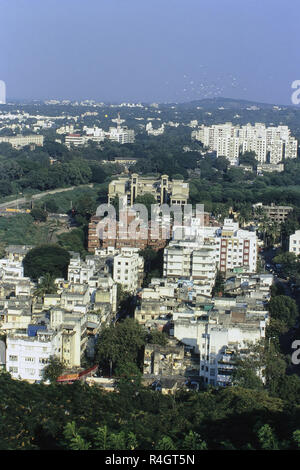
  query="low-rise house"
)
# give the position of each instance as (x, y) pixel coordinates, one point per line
(163, 360)
(17, 252)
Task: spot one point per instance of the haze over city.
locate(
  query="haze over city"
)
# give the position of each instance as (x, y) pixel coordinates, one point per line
(149, 51)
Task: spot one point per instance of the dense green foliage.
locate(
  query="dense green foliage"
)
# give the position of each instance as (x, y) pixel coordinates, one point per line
(46, 286)
(153, 264)
(120, 346)
(284, 308)
(53, 369)
(46, 259)
(40, 416)
(20, 229)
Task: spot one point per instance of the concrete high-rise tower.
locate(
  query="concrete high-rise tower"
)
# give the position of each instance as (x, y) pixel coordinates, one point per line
(2, 92)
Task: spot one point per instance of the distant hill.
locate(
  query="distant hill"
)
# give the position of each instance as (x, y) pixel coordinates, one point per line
(228, 103)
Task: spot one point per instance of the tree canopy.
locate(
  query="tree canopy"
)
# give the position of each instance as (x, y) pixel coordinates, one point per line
(46, 259)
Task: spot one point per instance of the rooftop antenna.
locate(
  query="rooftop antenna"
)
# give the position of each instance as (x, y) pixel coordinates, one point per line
(119, 121)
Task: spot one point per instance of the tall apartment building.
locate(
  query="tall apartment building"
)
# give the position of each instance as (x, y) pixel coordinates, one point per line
(2, 92)
(222, 342)
(72, 327)
(163, 190)
(271, 144)
(191, 260)
(128, 269)
(229, 246)
(235, 247)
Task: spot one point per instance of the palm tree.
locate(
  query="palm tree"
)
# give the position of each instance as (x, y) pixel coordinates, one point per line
(45, 286)
(273, 233)
(264, 226)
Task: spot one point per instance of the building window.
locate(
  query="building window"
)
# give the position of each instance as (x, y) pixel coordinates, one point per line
(13, 358)
(43, 360)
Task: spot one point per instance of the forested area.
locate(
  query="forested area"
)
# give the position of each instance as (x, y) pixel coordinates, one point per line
(79, 417)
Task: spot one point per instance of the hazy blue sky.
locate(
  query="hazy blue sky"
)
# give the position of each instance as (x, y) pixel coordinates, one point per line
(150, 50)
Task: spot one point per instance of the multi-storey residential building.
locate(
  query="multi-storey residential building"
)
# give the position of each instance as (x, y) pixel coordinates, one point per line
(16, 316)
(17, 252)
(65, 337)
(222, 342)
(10, 269)
(129, 269)
(150, 131)
(190, 260)
(218, 332)
(270, 144)
(294, 243)
(230, 247)
(27, 354)
(72, 326)
(235, 247)
(251, 286)
(106, 292)
(156, 301)
(269, 168)
(122, 135)
(80, 272)
(163, 190)
(276, 214)
(75, 295)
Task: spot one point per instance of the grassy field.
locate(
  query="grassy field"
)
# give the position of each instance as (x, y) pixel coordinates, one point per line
(21, 229)
(66, 200)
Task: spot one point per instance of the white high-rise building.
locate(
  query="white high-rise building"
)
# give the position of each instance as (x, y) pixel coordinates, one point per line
(193, 261)
(233, 247)
(121, 135)
(128, 268)
(272, 144)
